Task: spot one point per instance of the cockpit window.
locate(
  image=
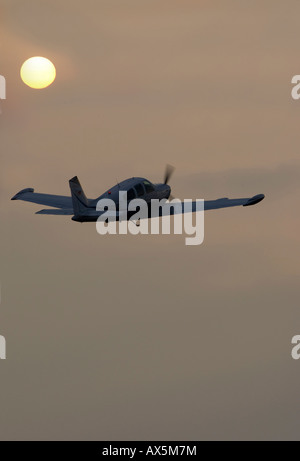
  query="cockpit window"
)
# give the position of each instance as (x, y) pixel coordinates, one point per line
(139, 190)
(130, 194)
(149, 187)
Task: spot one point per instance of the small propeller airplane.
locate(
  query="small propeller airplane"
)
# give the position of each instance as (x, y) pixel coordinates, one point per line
(83, 209)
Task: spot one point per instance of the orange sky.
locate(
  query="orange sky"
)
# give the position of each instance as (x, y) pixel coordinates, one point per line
(141, 337)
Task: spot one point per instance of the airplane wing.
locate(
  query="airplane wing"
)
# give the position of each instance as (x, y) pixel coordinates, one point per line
(215, 204)
(56, 201)
(226, 202)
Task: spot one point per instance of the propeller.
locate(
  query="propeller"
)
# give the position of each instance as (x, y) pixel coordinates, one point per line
(168, 173)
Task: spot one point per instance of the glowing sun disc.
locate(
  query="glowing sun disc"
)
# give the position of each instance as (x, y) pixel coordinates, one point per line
(38, 72)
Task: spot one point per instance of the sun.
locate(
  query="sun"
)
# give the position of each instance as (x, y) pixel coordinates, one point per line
(38, 72)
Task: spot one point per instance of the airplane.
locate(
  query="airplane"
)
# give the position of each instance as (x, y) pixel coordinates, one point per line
(83, 209)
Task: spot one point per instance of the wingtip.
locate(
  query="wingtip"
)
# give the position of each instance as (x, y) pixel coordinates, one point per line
(23, 191)
(254, 200)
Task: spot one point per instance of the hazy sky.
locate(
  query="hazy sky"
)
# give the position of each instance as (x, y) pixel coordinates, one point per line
(124, 337)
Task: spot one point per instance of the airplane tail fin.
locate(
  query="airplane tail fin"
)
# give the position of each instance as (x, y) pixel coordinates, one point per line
(80, 202)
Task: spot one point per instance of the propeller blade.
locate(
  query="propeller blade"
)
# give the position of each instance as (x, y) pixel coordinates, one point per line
(168, 173)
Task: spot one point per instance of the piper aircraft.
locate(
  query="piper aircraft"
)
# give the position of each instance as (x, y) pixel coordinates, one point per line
(83, 209)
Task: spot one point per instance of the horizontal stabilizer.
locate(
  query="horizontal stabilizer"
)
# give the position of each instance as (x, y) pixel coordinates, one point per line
(56, 212)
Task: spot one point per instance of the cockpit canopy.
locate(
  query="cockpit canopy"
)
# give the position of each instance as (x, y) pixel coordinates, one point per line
(140, 189)
(135, 187)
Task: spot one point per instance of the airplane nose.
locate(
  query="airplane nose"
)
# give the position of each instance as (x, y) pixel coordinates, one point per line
(164, 190)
